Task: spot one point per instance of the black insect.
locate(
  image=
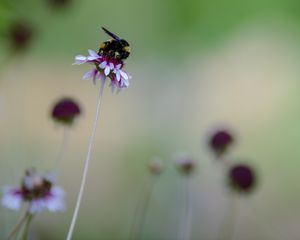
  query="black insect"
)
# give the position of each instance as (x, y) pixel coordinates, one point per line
(114, 48)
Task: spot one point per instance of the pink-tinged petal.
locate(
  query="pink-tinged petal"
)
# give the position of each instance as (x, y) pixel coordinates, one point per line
(79, 59)
(12, 198)
(88, 75)
(124, 83)
(55, 201)
(103, 64)
(111, 65)
(124, 74)
(119, 66)
(36, 206)
(118, 76)
(107, 70)
(93, 53)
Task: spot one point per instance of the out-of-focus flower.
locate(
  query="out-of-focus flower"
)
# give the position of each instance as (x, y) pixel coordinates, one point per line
(20, 35)
(155, 166)
(242, 178)
(57, 4)
(36, 189)
(66, 111)
(186, 165)
(220, 141)
(106, 65)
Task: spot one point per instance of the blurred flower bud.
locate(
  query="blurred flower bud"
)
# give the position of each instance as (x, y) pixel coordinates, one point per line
(57, 4)
(20, 35)
(155, 166)
(242, 178)
(65, 111)
(186, 165)
(220, 141)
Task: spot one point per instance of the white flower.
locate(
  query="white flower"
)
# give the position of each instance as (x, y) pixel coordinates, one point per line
(38, 191)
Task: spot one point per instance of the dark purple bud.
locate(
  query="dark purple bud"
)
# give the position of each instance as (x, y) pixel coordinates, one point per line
(242, 178)
(20, 35)
(220, 141)
(65, 111)
(186, 165)
(57, 4)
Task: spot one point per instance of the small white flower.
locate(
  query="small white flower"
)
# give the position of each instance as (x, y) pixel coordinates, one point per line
(38, 191)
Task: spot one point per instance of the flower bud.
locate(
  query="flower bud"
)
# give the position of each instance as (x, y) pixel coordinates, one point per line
(65, 111)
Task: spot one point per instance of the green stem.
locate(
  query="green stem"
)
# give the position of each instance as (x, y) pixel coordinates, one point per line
(26, 228)
(17, 227)
(141, 209)
(62, 151)
(229, 222)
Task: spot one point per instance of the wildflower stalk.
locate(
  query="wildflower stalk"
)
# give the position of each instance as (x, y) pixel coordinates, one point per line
(227, 227)
(141, 209)
(26, 228)
(86, 163)
(62, 150)
(18, 226)
(185, 226)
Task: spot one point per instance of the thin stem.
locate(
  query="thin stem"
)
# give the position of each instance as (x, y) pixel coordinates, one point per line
(17, 227)
(141, 209)
(62, 149)
(185, 226)
(26, 228)
(227, 227)
(86, 163)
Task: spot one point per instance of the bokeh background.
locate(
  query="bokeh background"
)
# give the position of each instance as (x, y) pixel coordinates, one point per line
(196, 65)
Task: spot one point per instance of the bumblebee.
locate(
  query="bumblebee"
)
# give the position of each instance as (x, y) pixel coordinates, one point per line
(114, 48)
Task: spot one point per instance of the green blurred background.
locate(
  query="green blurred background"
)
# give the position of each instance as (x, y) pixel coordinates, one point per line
(195, 66)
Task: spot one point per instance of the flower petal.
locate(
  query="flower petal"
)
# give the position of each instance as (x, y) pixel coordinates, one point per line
(111, 65)
(118, 76)
(103, 64)
(88, 75)
(124, 74)
(79, 59)
(36, 206)
(55, 201)
(107, 70)
(12, 198)
(93, 53)
(124, 83)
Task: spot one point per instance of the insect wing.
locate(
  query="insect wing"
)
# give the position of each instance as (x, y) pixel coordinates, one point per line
(111, 34)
